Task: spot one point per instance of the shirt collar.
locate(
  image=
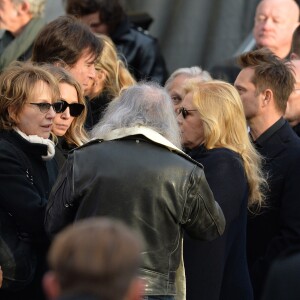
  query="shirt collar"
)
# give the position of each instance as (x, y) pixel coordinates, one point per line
(269, 132)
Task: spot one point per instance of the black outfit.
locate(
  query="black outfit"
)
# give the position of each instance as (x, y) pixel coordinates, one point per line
(24, 192)
(283, 278)
(62, 150)
(277, 227)
(218, 269)
(227, 71)
(154, 191)
(141, 52)
(98, 106)
(297, 129)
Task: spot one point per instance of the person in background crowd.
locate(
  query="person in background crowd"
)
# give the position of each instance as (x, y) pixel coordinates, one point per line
(292, 112)
(139, 132)
(295, 48)
(28, 103)
(175, 83)
(101, 264)
(112, 77)
(68, 125)
(140, 50)
(78, 50)
(265, 84)
(214, 133)
(22, 21)
(274, 24)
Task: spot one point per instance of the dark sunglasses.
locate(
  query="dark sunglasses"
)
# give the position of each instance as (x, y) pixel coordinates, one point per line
(185, 112)
(44, 107)
(75, 108)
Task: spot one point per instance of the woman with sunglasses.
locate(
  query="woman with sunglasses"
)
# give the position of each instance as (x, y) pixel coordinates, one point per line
(68, 125)
(214, 132)
(28, 105)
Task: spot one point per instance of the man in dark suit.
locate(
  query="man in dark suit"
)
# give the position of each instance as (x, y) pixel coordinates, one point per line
(292, 112)
(265, 84)
(283, 278)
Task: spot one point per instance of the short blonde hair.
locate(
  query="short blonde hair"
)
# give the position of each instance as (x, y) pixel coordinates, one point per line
(17, 86)
(224, 125)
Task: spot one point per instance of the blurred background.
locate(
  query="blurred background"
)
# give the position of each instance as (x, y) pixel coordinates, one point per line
(191, 32)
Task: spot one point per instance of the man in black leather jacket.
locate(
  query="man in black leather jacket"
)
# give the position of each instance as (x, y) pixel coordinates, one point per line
(135, 172)
(139, 50)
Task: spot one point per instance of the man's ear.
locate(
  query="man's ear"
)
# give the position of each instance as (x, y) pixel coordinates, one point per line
(136, 290)
(268, 95)
(51, 286)
(294, 56)
(23, 8)
(12, 113)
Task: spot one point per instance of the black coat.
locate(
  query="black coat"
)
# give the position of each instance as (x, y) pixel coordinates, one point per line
(277, 227)
(218, 269)
(24, 190)
(283, 278)
(141, 52)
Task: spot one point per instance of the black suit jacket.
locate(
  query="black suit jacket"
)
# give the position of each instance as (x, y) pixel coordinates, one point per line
(277, 227)
(283, 278)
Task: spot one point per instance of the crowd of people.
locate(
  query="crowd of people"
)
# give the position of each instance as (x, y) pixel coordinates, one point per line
(121, 182)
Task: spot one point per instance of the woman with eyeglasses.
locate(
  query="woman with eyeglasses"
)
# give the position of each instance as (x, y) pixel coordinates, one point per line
(214, 132)
(68, 125)
(29, 101)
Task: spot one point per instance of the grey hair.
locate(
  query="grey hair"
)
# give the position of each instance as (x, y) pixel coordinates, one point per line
(144, 104)
(194, 71)
(37, 7)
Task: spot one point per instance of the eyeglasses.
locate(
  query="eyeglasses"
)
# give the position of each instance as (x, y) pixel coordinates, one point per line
(185, 112)
(75, 108)
(44, 107)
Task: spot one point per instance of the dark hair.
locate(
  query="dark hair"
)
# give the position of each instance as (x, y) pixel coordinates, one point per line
(295, 48)
(270, 72)
(111, 12)
(64, 40)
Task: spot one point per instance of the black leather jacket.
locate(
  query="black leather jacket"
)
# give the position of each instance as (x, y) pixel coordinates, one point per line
(141, 53)
(157, 192)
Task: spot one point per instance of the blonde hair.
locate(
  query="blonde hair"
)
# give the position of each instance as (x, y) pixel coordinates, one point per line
(117, 77)
(76, 133)
(224, 125)
(17, 86)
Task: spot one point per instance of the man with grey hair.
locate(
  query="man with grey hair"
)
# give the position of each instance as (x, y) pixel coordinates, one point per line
(21, 20)
(134, 171)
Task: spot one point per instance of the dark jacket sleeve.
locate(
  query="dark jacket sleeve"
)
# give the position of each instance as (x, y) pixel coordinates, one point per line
(203, 217)
(61, 207)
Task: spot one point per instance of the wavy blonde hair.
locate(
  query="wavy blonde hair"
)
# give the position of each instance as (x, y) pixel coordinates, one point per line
(76, 133)
(117, 76)
(224, 125)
